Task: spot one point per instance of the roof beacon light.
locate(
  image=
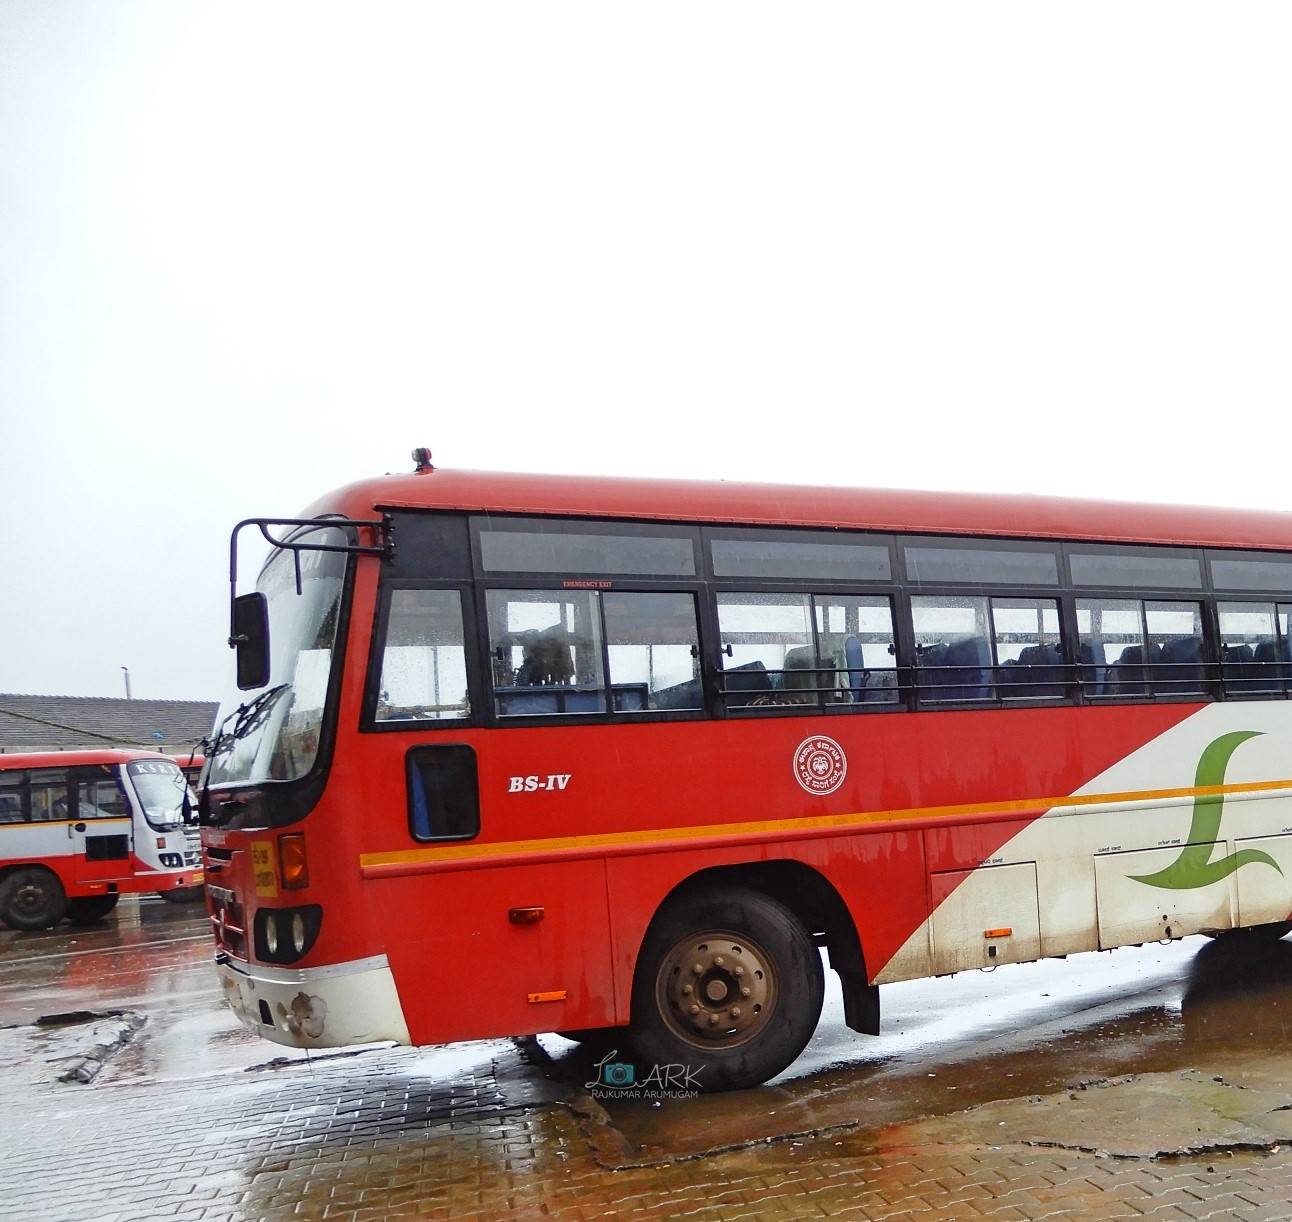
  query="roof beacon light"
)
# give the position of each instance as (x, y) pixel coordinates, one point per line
(422, 457)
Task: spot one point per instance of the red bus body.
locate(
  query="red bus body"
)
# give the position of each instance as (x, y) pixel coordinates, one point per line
(537, 922)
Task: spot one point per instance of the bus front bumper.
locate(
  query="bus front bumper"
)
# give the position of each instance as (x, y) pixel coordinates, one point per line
(316, 1007)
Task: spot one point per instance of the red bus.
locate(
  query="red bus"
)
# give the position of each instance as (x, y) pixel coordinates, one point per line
(191, 766)
(79, 829)
(536, 753)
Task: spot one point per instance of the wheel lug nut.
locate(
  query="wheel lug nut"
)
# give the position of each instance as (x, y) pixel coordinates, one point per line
(737, 971)
(687, 990)
(735, 1011)
(745, 991)
(713, 1020)
(698, 968)
(719, 961)
(694, 1010)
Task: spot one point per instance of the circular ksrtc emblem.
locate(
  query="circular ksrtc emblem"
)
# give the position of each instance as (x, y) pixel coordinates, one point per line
(820, 764)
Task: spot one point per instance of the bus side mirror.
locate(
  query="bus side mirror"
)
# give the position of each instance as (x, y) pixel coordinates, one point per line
(251, 639)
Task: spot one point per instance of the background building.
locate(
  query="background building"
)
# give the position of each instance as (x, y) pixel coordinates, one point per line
(60, 723)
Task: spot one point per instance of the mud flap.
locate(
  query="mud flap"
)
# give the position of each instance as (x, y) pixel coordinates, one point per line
(860, 1003)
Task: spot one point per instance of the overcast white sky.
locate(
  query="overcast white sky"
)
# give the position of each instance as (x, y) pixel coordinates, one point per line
(252, 251)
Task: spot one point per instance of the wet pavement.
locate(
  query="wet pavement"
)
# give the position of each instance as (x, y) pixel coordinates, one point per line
(1150, 1081)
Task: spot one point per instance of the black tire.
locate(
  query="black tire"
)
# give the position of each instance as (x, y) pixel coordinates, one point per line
(32, 898)
(183, 895)
(728, 984)
(90, 909)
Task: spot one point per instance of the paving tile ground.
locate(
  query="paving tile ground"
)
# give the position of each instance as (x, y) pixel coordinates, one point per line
(370, 1138)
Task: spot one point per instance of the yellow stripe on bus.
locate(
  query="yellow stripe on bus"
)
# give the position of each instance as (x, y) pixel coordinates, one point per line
(34, 823)
(508, 848)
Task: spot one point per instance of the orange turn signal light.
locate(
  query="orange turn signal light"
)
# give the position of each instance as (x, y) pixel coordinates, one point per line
(997, 933)
(293, 869)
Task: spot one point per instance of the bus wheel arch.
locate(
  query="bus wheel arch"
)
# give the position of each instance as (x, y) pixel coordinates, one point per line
(31, 898)
(816, 902)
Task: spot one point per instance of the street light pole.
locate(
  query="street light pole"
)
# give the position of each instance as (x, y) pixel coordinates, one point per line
(126, 671)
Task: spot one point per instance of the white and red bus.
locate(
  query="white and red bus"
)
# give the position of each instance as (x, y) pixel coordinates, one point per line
(537, 753)
(79, 829)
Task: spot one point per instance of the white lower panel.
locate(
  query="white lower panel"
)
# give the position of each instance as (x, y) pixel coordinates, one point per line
(324, 1007)
(991, 917)
(1265, 894)
(1133, 911)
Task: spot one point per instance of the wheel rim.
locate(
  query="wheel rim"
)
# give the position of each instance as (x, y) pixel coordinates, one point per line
(716, 989)
(30, 901)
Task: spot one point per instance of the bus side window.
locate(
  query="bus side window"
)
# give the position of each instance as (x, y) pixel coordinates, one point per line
(952, 652)
(49, 797)
(423, 664)
(545, 649)
(654, 648)
(99, 800)
(443, 793)
(11, 797)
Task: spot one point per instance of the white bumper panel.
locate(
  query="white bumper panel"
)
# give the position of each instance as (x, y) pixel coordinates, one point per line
(320, 1007)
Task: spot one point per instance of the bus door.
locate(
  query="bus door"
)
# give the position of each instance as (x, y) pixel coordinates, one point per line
(101, 831)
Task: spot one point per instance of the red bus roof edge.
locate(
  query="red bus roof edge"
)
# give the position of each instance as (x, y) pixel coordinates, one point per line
(875, 509)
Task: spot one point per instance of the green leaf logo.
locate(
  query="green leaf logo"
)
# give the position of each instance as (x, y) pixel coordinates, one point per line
(1193, 867)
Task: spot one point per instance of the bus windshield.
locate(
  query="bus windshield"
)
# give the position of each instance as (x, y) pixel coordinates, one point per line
(273, 733)
(161, 788)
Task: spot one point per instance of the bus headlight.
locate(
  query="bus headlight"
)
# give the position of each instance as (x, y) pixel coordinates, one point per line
(284, 935)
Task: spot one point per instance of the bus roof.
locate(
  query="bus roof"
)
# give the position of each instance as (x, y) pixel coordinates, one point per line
(73, 759)
(876, 509)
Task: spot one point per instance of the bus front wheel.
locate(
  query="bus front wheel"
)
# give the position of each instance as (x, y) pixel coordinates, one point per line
(727, 992)
(32, 898)
(90, 909)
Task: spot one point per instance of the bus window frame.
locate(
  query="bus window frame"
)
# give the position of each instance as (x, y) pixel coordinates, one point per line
(742, 585)
(899, 590)
(368, 720)
(636, 528)
(981, 543)
(609, 715)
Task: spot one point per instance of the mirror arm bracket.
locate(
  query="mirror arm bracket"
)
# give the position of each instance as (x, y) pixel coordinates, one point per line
(383, 530)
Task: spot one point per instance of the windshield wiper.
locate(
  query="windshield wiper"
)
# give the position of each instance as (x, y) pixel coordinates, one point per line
(249, 716)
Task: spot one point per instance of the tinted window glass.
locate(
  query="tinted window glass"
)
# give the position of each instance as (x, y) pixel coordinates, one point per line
(931, 565)
(1110, 634)
(856, 645)
(443, 793)
(423, 666)
(1253, 649)
(813, 558)
(545, 651)
(1028, 652)
(952, 648)
(1178, 654)
(1264, 573)
(49, 797)
(768, 655)
(1148, 571)
(654, 650)
(100, 799)
(548, 550)
(11, 794)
